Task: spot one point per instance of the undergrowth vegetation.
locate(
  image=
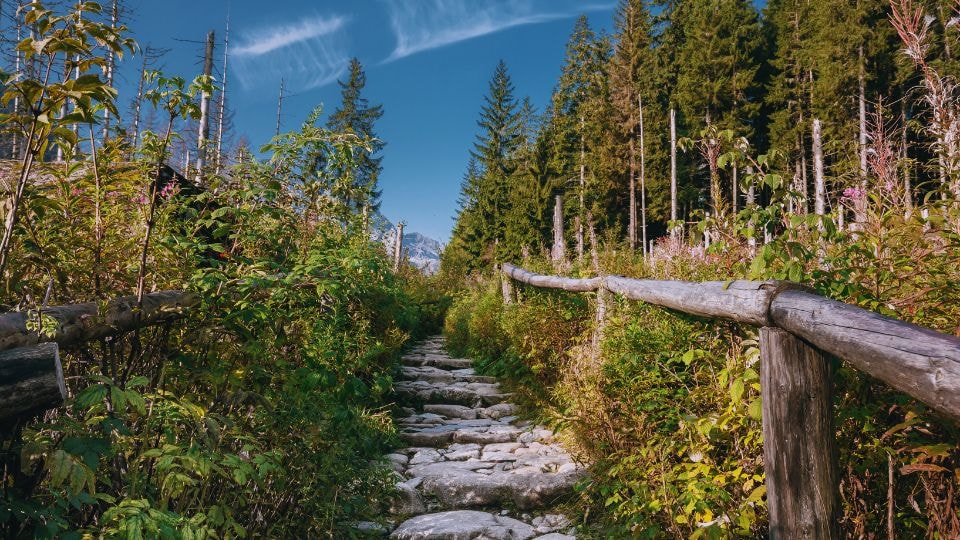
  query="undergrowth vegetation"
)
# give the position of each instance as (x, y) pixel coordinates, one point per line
(258, 412)
(666, 407)
(261, 412)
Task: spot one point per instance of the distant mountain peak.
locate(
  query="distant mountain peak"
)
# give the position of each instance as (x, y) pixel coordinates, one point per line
(422, 251)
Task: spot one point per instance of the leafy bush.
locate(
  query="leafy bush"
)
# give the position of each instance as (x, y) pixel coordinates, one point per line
(667, 410)
(264, 412)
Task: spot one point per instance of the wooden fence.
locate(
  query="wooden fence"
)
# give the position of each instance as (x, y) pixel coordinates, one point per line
(31, 376)
(798, 328)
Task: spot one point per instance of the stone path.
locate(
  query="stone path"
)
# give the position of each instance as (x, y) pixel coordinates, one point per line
(473, 471)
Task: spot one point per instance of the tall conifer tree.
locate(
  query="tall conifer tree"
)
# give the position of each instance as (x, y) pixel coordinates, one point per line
(481, 227)
(630, 76)
(355, 115)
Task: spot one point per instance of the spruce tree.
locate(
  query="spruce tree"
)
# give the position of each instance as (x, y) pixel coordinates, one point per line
(631, 67)
(485, 191)
(719, 56)
(355, 115)
(581, 126)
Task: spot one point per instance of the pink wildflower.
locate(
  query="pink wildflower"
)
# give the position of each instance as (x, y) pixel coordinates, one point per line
(168, 190)
(76, 192)
(141, 199)
(854, 193)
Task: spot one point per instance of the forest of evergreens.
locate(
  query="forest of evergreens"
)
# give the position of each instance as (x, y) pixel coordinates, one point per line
(741, 84)
(815, 142)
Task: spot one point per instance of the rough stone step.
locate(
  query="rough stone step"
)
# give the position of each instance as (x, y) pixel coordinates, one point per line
(436, 360)
(452, 411)
(468, 451)
(437, 375)
(472, 394)
(462, 525)
(436, 435)
(473, 525)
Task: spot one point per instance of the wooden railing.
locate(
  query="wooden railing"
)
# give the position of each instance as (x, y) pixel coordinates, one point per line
(31, 375)
(797, 329)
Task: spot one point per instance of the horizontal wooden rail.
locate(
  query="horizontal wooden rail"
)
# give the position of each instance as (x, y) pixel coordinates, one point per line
(797, 328)
(31, 377)
(920, 362)
(77, 323)
(552, 282)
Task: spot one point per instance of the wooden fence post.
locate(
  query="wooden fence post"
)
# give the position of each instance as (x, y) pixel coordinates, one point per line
(506, 287)
(799, 447)
(601, 315)
(31, 380)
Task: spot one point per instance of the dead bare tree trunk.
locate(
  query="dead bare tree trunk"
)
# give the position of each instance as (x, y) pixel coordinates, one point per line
(905, 156)
(98, 232)
(398, 247)
(583, 189)
(819, 187)
(279, 107)
(139, 102)
(559, 252)
(111, 65)
(594, 254)
(792, 200)
(203, 134)
(15, 142)
(862, 111)
(673, 171)
(643, 180)
(222, 105)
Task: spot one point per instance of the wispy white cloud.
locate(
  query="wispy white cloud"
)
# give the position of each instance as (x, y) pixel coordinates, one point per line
(430, 24)
(265, 40)
(307, 54)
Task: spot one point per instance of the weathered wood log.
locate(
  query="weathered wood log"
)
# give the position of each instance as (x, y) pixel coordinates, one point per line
(552, 282)
(799, 447)
(506, 288)
(601, 318)
(743, 301)
(31, 380)
(917, 361)
(920, 362)
(77, 323)
(559, 252)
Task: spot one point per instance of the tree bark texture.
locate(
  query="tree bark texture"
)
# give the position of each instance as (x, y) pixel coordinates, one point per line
(31, 380)
(799, 447)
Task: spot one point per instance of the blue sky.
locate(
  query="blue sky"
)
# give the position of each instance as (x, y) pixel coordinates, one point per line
(427, 62)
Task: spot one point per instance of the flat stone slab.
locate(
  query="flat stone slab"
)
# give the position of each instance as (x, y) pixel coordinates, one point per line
(451, 411)
(437, 360)
(435, 374)
(469, 452)
(459, 488)
(458, 393)
(463, 525)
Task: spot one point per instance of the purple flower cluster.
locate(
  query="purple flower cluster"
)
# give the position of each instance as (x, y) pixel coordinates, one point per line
(854, 193)
(168, 190)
